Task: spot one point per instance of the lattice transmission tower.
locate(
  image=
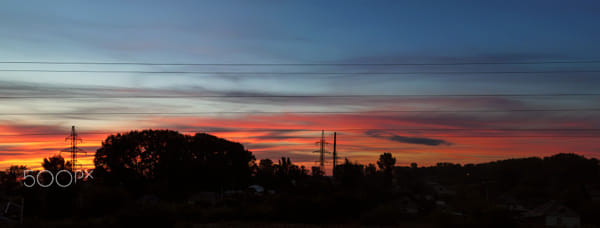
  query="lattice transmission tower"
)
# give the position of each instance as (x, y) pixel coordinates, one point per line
(322, 151)
(74, 139)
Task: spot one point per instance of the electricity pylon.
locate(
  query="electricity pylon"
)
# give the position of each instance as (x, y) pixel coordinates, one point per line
(73, 149)
(322, 151)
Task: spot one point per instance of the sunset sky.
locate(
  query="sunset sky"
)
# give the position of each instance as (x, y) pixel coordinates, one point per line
(444, 81)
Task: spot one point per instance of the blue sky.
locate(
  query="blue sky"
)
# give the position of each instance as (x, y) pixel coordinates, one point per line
(298, 31)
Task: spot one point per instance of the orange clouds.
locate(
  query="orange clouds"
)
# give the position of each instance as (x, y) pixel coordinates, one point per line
(467, 138)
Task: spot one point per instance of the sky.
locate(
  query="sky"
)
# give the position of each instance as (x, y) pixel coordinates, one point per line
(428, 81)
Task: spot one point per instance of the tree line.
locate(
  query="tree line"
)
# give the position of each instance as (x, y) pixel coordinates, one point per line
(133, 168)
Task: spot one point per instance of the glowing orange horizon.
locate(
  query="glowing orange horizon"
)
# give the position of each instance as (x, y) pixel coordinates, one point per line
(356, 145)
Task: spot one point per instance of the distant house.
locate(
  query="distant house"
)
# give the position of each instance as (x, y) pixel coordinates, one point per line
(553, 214)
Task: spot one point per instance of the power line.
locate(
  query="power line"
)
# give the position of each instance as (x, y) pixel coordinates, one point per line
(283, 139)
(301, 112)
(498, 130)
(249, 73)
(339, 129)
(306, 64)
(300, 96)
(435, 136)
(468, 129)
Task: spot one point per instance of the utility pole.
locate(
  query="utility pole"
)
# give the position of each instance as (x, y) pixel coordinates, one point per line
(322, 150)
(335, 157)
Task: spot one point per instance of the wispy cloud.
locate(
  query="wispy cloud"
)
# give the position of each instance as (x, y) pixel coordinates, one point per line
(409, 140)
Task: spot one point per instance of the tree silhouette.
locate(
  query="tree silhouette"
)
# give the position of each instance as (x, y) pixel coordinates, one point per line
(371, 170)
(386, 163)
(175, 159)
(55, 164)
(216, 161)
(317, 172)
(16, 170)
(266, 168)
(413, 165)
(349, 173)
(284, 167)
(11, 177)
